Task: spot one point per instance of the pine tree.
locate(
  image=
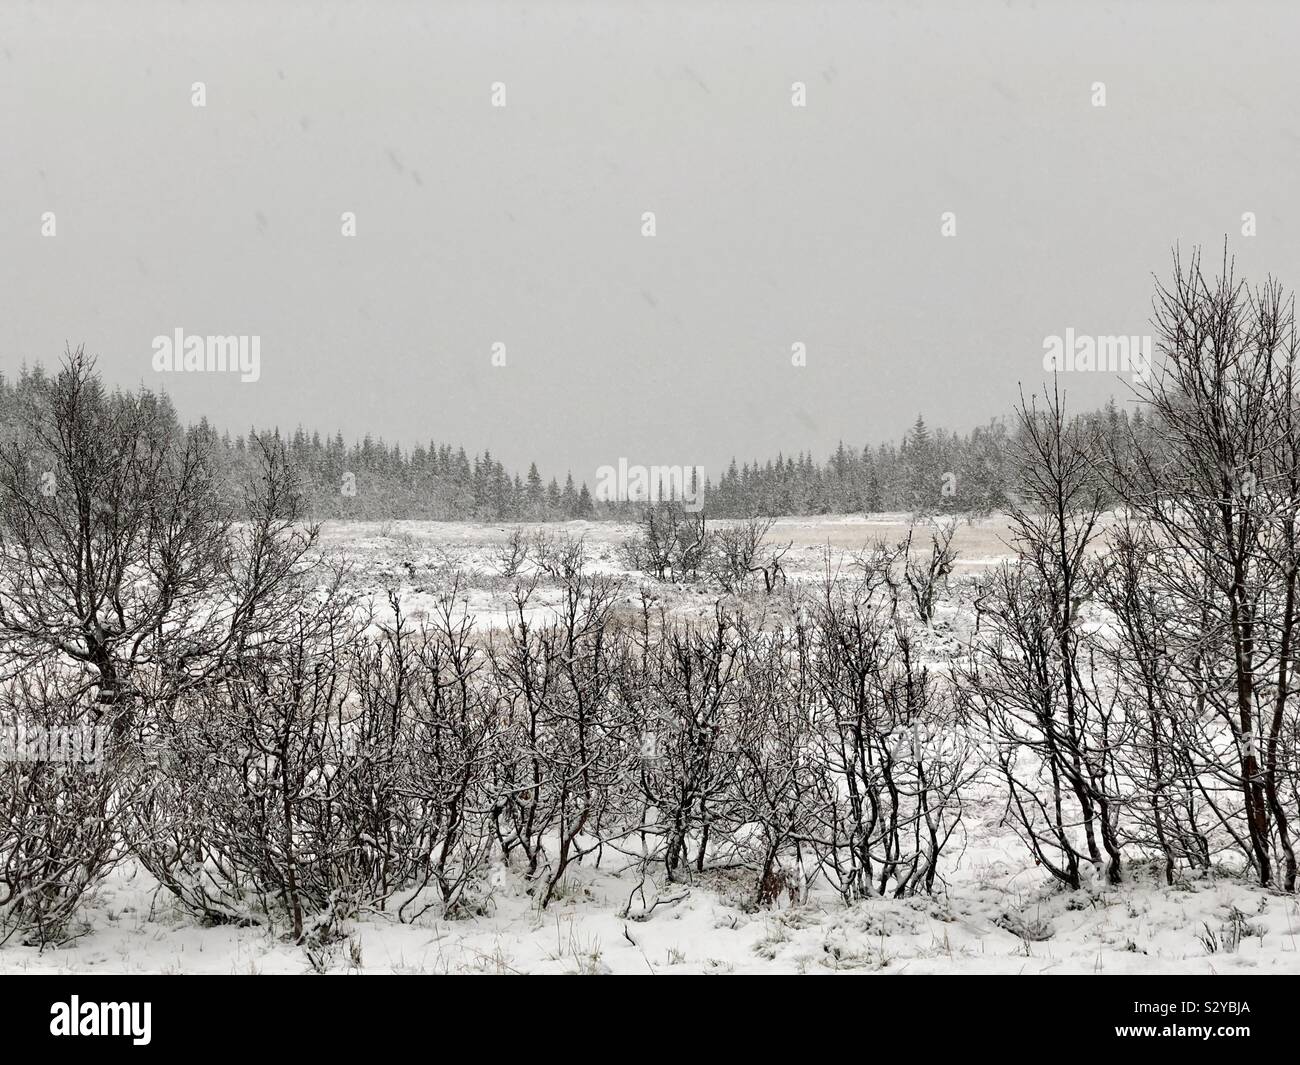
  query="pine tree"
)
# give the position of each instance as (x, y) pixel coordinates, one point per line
(536, 496)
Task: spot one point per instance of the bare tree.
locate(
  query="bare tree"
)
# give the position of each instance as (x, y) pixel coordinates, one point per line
(1166, 813)
(681, 687)
(58, 835)
(672, 542)
(1221, 501)
(565, 748)
(892, 752)
(1034, 682)
(242, 820)
(927, 576)
(122, 552)
(740, 551)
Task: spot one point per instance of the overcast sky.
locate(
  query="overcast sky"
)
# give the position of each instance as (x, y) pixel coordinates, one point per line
(523, 224)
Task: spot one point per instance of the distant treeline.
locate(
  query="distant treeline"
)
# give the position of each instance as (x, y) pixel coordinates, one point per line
(928, 471)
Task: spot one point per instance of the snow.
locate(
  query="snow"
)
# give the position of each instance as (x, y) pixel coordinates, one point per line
(996, 914)
(995, 911)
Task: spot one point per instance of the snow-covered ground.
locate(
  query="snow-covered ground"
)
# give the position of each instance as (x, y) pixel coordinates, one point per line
(418, 558)
(993, 912)
(996, 914)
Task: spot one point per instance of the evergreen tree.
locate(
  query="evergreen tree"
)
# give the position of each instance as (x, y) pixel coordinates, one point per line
(536, 494)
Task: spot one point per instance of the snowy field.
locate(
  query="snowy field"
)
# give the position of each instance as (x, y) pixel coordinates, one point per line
(996, 914)
(418, 558)
(993, 910)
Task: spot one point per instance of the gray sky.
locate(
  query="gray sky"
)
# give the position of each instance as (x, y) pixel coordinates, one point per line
(522, 224)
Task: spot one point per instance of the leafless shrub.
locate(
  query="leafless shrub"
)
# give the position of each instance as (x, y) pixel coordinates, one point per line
(893, 756)
(337, 771)
(448, 742)
(242, 822)
(57, 837)
(560, 557)
(513, 554)
(681, 689)
(672, 543)
(1052, 727)
(1220, 493)
(928, 575)
(564, 749)
(775, 783)
(740, 554)
(1169, 815)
